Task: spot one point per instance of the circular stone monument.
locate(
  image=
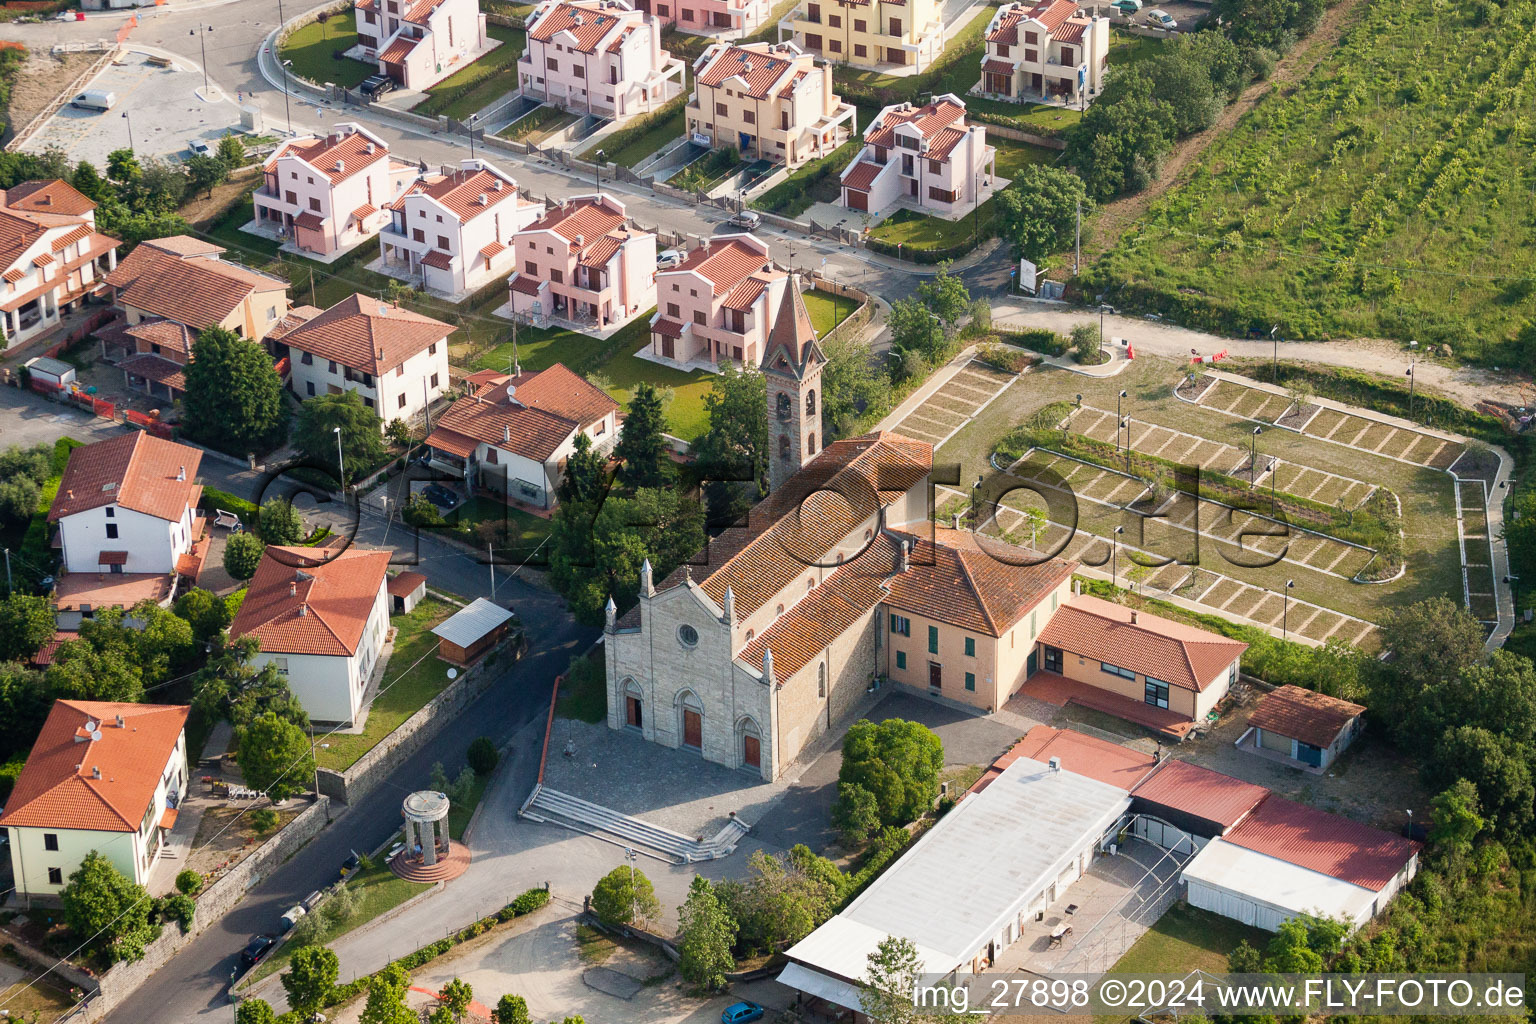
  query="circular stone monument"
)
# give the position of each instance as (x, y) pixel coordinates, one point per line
(429, 855)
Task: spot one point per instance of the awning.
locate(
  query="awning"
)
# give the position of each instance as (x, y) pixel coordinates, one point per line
(309, 221)
(803, 979)
(112, 558)
(168, 819)
(998, 67)
(13, 275)
(452, 442)
(667, 328)
(524, 284)
(364, 212)
(42, 259)
(69, 238)
(494, 249)
(439, 259)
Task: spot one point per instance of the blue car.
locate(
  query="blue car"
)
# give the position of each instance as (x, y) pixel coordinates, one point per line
(741, 1013)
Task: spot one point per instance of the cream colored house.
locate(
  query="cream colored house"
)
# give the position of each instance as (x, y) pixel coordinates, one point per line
(597, 57)
(1048, 51)
(53, 256)
(928, 157)
(769, 101)
(870, 33)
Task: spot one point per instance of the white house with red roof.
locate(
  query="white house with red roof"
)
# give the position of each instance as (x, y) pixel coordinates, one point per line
(420, 42)
(328, 194)
(597, 57)
(768, 101)
(927, 157)
(586, 262)
(717, 304)
(719, 19)
(101, 776)
(51, 256)
(321, 617)
(452, 231)
(128, 524)
(511, 438)
(395, 359)
(1045, 51)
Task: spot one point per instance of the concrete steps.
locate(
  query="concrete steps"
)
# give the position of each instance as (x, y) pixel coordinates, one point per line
(555, 807)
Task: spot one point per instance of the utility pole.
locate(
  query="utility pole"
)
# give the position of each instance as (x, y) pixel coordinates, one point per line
(490, 560)
(312, 301)
(1077, 245)
(9, 586)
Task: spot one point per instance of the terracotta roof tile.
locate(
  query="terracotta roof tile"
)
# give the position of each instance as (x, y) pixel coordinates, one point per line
(725, 262)
(56, 196)
(1305, 715)
(984, 589)
(168, 334)
(439, 259)
(943, 143)
(199, 292)
(137, 471)
(1181, 655)
(862, 175)
(1081, 754)
(599, 251)
(350, 148)
(745, 294)
(491, 251)
(70, 237)
(589, 217)
(309, 221)
(587, 22)
(524, 284)
(791, 349)
(544, 410)
(156, 368)
(461, 191)
(367, 334)
(1323, 842)
(306, 602)
(758, 67)
(929, 120)
(998, 67)
(1006, 29)
(1069, 32)
(295, 316)
(1052, 13)
(1201, 792)
(58, 789)
(667, 328)
(185, 245)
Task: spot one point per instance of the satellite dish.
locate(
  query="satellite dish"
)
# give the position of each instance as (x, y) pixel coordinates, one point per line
(453, 673)
(95, 734)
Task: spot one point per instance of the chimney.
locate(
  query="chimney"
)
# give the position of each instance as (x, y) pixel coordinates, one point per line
(341, 165)
(368, 149)
(496, 185)
(95, 772)
(303, 610)
(1133, 616)
(181, 474)
(1077, 587)
(903, 563)
(581, 241)
(484, 199)
(1054, 764)
(293, 588)
(46, 200)
(506, 434)
(954, 520)
(121, 722)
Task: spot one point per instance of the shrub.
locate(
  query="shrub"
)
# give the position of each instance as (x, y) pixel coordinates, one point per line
(189, 882)
(263, 820)
(529, 901)
(1036, 339)
(483, 755)
(179, 908)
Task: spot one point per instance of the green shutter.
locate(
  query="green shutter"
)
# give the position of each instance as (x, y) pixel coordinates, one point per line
(970, 681)
(901, 659)
(970, 647)
(933, 639)
(893, 622)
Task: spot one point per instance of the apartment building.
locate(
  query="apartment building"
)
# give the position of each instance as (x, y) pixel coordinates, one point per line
(420, 42)
(453, 231)
(870, 33)
(1045, 51)
(718, 304)
(597, 57)
(51, 256)
(770, 101)
(396, 360)
(927, 156)
(329, 193)
(725, 19)
(586, 262)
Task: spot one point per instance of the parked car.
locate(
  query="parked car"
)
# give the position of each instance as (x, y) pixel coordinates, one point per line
(748, 219)
(95, 99)
(440, 496)
(199, 147)
(1159, 18)
(741, 1013)
(669, 259)
(375, 86)
(291, 918)
(1127, 7)
(256, 949)
(351, 864)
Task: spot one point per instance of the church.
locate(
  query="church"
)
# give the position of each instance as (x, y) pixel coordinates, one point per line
(840, 578)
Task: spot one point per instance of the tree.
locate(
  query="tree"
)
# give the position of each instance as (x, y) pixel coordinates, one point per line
(206, 611)
(234, 400)
(850, 384)
(106, 910)
(945, 295)
(24, 706)
(456, 997)
(510, 1009)
(1499, 768)
(386, 997)
(419, 511)
(779, 902)
(87, 181)
(279, 522)
(229, 686)
(897, 762)
(26, 623)
(1498, 695)
(1086, 343)
(362, 444)
(399, 432)
(1456, 818)
(82, 670)
(204, 172)
(734, 450)
(1431, 640)
(122, 166)
(341, 907)
(275, 757)
(311, 975)
(231, 151)
(1121, 139)
(1037, 214)
(890, 982)
(242, 555)
(704, 938)
(624, 896)
(163, 645)
(641, 447)
(254, 1011)
(160, 187)
(585, 480)
(482, 755)
(19, 498)
(915, 329)
(188, 882)
(855, 814)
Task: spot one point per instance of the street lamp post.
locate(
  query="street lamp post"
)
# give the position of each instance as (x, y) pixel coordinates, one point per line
(1118, 399)
(1253, 457)
(202, 45)
(287, 111)
(1285, 610)
(631, 855)
(1412, 379)
(340, 468)
(1274, 368)
(1114, 555)
(597, 165)
(130, 130)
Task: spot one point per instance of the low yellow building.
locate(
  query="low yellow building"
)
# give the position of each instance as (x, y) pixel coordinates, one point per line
(870, 33)
(770, 101)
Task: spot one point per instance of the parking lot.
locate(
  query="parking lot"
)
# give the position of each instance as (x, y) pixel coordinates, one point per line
(161, 104)
(955, 403)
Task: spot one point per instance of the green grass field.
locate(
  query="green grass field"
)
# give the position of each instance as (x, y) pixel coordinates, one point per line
(629, 148)
(827, 310)
(480, 84)
(1187, 939)
(1387, 194)
(313, 48)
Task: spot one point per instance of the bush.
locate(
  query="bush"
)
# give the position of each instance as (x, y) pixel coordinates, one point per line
(189, 882)
(242, 555)
(529, 901)
(263, 820)
(482, 756)
(179, 908)
(1036, 339)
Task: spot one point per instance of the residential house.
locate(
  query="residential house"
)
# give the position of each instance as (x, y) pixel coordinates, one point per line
(396, 360)
(597, 57)
(927, 156)
(1045, 51)
(723, 19)
(51, 256)
(870, 33)
(512, 437)
(330, 193)
(584, 261)
(1303, 727)
(452, 230)
(321, 617)
(419, 42)
(769, 101)
(718, 304)
(103, 777)
(128, 524)
(169, 290)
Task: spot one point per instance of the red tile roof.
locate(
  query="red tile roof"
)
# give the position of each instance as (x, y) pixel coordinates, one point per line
(304, 601)
(943, 142)
(58, 787)
(1305, 715)
(1052, 13)
(56, 197)
(351, 148)
(198, 291)
(758, 68)
(599, 251)
(137, 471)
(397, 51)
(589, 218)
(168, 334)
(744, 295)
(44, 655)
(1006, 30)
(365, 211)
(439, 259)
(524, 284)
(667, 328)
(862, 175)
(928, 120)
(543, 411)
(588, 23)
(954, 579)
(70, 237)
(1082, 754)
(309, 221)
(1325, 843)
(404, 584)
(725, 263)
(1070, 31)
(998, 67)
(1201, 792)
(491, 251)
(467, 193)
(156, 368)
(1173, 652)
(367, 334)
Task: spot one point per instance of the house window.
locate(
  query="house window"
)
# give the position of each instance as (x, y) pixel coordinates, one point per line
(970, 647)
(860, 25)
(835, 45)
(1002, 49)
(834, 21)
(1031, 56)
(271, 312)
(698, 316)
(1053, 659)
(281, 664)
(901, 659)
(55, 876)
(551, 64)
(432, 349)
(531, 268)
(970, 681)
(933, 639)
(859, 50)
(1054, 599)
(314, 203)
(1156, 693)
(51, 842)
(442, 242)
(332, 367)
(1031, 38)
(309, 388)
(783, 446)
(368, 402)
(111, 531)
(901, 624)
(935, 166)
(400, 400)
(672, 309)
(400, 370)
(432, 382)
(418, 235)
(111, 512)
(580, 71)
(557, 276)
(749, 117)
(492, 456)
(942, 195)
(895, 27)
(1032, 618)
(720, 109)
(1116, 670)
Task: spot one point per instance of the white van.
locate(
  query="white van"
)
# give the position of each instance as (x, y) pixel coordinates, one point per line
(95, 99)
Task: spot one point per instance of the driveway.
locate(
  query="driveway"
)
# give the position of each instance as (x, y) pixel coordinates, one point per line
(27, 418)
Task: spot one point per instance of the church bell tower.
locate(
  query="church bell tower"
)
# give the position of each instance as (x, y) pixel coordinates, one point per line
(792, 364)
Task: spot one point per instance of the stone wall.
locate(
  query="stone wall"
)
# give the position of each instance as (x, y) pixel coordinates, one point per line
(1004, 131)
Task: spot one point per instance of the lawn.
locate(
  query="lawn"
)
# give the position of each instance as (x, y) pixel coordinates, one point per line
(478, 85)
(708, 170)
(584, 690)
(1187, 939)
(412, 677)
(460, 813)
(914, 230)
(313, 50)
(614, 361)
(378, 890)
(519, 535)
(1386, 195)
(1013, 157)
(632, 144)
(827, 310)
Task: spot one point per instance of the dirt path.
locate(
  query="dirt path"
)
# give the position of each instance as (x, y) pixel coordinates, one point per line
(1115, 218)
